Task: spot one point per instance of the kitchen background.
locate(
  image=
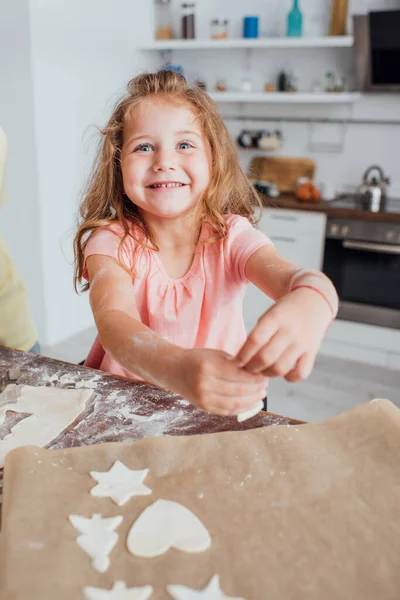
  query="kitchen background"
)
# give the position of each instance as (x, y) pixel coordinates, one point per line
(64, 64)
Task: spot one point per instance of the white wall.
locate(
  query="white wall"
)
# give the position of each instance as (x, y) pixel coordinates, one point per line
(67, 62)
(83, 54)
(20, 217)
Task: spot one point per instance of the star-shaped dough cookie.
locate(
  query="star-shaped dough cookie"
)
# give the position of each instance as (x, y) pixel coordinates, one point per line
(119, 483)
(211, 592)
(118, 592)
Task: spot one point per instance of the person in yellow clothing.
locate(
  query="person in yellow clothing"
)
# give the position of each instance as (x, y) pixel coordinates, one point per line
(17, 328)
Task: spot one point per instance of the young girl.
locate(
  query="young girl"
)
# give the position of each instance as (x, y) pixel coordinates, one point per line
(167, 246)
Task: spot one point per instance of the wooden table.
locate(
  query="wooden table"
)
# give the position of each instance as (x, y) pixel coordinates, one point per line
(114, 410)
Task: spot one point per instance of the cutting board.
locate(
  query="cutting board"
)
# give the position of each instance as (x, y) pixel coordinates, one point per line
(283, 171)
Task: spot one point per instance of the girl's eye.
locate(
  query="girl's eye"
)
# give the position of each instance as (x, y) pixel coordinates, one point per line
(185, 145)
(143, 148)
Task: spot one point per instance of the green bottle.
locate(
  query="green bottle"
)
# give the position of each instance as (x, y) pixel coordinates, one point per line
(295, 21)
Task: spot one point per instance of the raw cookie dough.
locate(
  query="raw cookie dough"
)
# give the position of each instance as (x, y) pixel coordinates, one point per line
(118, 592)
(211, 592)
(119, 483)
(51, 411)
(98, 538)
(165, 525)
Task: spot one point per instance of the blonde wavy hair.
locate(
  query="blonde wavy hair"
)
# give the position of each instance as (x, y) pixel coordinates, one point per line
(105, 202)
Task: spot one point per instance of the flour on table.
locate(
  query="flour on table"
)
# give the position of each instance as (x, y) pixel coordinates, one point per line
(164, 525)
(81, 383)
(247, 414)
(119, 483)
(51, 410)
(142, 418)
(97, 538)
(119, 591)
(211, 592)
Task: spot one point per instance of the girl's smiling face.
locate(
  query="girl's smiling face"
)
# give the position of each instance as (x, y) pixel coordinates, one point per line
(166, 161)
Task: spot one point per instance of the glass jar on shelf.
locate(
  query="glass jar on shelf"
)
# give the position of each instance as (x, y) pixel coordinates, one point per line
(246, 85)
(188, 21)
(219, 29)
(164, 29)
(329, 82)
(221, 85)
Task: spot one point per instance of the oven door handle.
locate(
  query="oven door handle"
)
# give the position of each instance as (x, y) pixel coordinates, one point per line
(371, 247)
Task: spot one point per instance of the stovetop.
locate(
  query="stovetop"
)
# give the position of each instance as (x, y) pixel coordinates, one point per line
(350, 201)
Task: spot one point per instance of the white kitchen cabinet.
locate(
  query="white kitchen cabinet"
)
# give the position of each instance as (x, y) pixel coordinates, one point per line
(378, 346)
(298, 236)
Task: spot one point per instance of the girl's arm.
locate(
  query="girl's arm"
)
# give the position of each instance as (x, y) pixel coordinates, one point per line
(287, 336)
(205, 377)
(124, 337)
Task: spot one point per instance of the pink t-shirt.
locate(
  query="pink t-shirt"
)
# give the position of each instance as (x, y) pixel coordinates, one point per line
(204, 308)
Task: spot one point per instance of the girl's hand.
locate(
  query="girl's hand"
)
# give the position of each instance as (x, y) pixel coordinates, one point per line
(213, 381)
(286, 338)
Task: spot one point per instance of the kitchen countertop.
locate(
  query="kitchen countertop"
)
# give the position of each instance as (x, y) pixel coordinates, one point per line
(290, 201)
(111, 411)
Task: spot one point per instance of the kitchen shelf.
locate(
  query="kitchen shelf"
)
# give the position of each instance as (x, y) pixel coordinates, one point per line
(286, 97)
(338, 41)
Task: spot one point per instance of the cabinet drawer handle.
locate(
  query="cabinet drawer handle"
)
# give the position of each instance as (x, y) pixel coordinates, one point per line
(371, 247)
(284, 217)
(281, 238)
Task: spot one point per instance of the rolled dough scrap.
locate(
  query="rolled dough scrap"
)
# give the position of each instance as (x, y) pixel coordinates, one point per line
(247, 414)
(118, 592)
(51, 411)
(165, 525)
(98, 538)
(211, 592)
(379, 400)
(119, 483)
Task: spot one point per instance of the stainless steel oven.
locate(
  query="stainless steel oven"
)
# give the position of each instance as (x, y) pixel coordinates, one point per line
(362, 258)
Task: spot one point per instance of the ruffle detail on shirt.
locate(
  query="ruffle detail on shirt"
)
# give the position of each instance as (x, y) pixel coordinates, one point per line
(173, 302)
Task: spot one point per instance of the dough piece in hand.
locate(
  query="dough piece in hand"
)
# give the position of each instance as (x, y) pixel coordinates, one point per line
(98, 538)
(165, 525)
(247, 414)
(379, 400)
(119, 483)
(211, 592)
(118, 592)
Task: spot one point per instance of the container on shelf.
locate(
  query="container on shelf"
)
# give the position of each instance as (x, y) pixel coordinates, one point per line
(219, 29)
(189, 21)
(269, 87)
(221, 86)
(246, 85)
(250, 27)
(164, 29)
(295, 21)
(200, 82)
(176, 68)
(339, 15)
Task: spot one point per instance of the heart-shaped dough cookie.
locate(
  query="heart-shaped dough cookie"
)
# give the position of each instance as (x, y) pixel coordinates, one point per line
(165, 525)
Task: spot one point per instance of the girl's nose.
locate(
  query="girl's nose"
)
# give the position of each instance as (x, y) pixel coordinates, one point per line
(164, 161)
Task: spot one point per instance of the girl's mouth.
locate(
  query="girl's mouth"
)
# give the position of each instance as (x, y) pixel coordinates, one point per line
(166, 184)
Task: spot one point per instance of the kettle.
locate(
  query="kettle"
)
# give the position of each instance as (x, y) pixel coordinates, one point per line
(372, 192)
